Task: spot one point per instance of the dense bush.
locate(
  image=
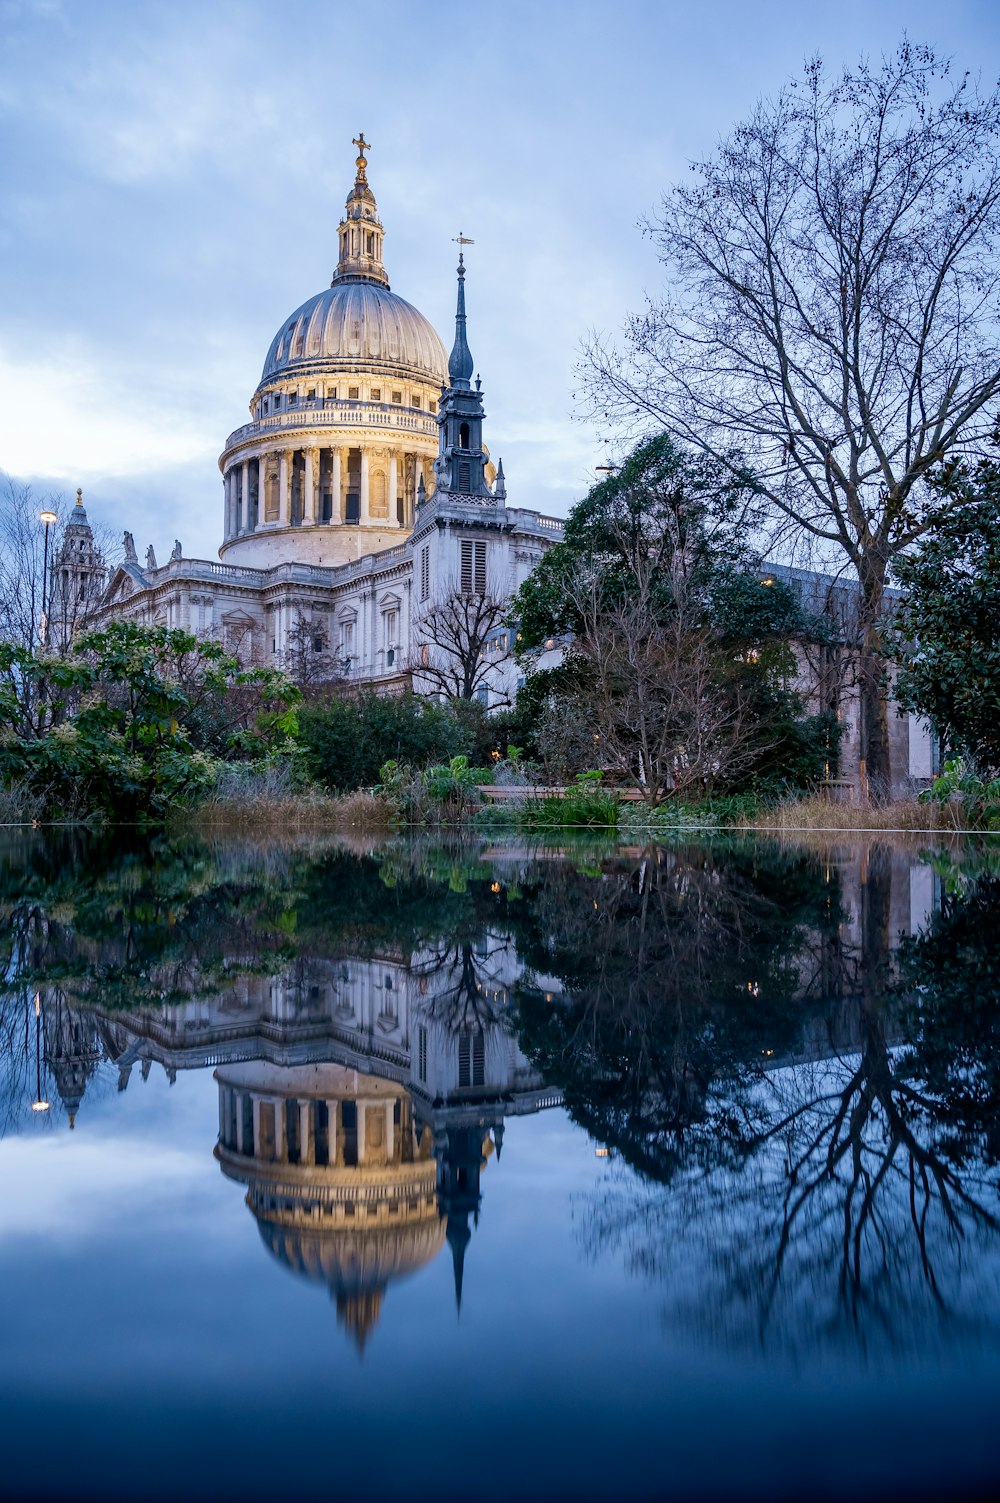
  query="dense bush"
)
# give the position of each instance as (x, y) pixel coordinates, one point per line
(346, 740)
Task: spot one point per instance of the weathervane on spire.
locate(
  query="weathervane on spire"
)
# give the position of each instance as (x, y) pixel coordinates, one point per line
(461, 241)
(363, 146)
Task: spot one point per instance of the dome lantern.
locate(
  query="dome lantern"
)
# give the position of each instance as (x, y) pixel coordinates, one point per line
(360, 233)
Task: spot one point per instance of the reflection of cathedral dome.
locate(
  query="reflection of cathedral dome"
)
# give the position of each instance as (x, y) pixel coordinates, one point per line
(342, 1190)
(356, 321)
(357, 1264)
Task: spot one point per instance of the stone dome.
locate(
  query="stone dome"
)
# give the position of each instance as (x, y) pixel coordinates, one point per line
(356, 322)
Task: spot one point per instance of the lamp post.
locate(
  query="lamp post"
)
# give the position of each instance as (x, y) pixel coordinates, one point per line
(38, 1105)
(46, 518)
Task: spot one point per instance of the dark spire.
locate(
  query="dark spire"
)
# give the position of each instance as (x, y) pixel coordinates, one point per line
(459, 1236)
(460, 366)
(500, 491)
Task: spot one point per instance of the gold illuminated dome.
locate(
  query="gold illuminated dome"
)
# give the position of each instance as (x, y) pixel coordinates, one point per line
(343, 433)
(356, 322)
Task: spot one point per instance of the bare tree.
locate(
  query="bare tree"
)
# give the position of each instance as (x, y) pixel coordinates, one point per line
(461, 640)
(308, 658)
(664, 710)
(22, 546)
(832, 312)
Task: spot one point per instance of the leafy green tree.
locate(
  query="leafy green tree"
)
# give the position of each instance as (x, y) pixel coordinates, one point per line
(135, 720)
(948, 626)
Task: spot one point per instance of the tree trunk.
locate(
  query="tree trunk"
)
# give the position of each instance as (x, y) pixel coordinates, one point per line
(876, 769)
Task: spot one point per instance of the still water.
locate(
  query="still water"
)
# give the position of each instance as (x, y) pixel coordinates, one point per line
(427, 1170)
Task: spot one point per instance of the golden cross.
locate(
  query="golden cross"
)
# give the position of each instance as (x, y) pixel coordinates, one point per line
(360, 142)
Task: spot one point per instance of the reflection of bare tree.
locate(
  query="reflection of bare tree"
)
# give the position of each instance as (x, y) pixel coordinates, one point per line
(830, 1199)
(459, 989)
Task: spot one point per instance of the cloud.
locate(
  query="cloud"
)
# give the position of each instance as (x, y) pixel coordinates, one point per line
(68, 415)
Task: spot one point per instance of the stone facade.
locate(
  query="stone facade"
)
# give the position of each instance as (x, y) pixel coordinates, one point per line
(358, 497)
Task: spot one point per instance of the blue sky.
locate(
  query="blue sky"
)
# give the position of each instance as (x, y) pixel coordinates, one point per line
(173, 174)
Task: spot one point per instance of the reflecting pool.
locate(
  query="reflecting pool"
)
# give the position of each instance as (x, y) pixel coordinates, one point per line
(427, 1169)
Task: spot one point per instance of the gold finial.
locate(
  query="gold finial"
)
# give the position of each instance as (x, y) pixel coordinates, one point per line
(79, 495)
(363, 146)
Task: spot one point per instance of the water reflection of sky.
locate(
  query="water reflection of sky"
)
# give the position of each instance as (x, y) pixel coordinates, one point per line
(151, 1344)
(146, 1328)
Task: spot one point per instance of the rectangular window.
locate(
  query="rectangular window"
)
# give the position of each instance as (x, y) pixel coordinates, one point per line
(432, 406)
(397, 396)
(415, 400)
(376, 393)
(471, 1059)
(293, 397)
(352, 393)
(425, 572)
(473, 568)
(311, 394)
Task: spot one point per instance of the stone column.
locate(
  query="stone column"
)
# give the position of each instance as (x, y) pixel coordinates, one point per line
(309, 489)
(307, 1148)
(284, 515)
(393, 487)
(337, 514)
(364, 501)
(390, 1146)
(244, 517)
(262, 489)
(362, 1108)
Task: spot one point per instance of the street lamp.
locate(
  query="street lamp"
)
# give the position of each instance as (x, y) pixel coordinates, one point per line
(38, 1105)
(46, 518)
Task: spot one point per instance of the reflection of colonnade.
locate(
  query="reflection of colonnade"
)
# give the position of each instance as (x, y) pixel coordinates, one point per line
(341, 1183)
(340, 484)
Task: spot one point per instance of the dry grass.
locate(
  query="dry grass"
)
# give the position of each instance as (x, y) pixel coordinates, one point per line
(292, 813)
(905, 816)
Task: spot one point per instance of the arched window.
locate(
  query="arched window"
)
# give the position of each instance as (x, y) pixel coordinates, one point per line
(463, 436)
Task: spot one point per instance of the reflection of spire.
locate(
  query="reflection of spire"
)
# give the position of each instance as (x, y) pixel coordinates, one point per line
(459, 1236)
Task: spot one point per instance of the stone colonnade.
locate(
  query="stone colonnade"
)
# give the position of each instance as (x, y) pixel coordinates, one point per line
(374, 1131)
(356, 485)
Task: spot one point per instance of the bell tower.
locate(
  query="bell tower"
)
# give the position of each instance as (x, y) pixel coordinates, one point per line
(461, 463)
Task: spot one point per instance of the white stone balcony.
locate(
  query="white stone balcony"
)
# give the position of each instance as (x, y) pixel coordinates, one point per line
(337, 414)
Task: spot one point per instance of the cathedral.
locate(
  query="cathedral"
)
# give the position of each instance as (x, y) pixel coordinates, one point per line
(359, 500)
(367, 536)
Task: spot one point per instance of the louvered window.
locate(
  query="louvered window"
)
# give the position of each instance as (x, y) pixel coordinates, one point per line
(471, 1059)
(473, 568)
(425, 572)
